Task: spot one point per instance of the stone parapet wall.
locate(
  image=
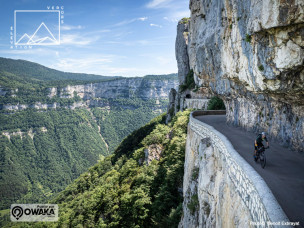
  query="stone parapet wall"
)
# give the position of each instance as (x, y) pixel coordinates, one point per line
(223, 189)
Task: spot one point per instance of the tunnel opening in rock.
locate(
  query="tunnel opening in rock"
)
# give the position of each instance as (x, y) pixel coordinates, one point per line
(216, 103)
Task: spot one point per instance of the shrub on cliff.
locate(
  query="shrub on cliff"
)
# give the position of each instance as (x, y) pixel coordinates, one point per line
(189, 82)
(216, 103)
(185, 20)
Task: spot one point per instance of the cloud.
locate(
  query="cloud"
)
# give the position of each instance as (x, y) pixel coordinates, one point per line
(81, 64)
(70, 27)
(175, 16)
(125, 22)
(143, 42)
(164, 60)
(100, 65)
(150, 42)
(15, 51)
(99, 32)
(174, 20)
(137, 71)
(130, 43)
(155, 25)
(180, 14)
(123, 70)
(158, 4)
(42, 51)
(174, 10)
(143, 18)
(77, 39)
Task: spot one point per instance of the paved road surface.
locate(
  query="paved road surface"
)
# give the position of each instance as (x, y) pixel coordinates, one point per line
(284, 171)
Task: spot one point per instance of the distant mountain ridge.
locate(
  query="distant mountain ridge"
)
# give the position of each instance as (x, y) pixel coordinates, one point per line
(26, 83)
(34, 71)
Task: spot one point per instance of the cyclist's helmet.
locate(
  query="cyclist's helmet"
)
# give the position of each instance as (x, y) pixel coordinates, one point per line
(263, 133)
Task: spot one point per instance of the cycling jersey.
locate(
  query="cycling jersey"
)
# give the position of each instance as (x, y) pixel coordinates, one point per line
(259, 141)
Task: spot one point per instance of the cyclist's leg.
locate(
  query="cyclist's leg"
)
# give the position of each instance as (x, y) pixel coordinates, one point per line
(260, 147)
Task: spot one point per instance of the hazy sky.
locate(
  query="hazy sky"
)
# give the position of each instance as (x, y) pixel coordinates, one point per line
(107, 37)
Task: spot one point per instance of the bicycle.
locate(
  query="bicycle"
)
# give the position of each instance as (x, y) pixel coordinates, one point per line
(260, 155)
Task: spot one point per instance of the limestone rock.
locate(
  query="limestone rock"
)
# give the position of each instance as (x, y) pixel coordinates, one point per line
(52, 92)
(171, 109)
(181, 51)
(153, 152)
(93, 93)
(251, 54)
(126, 87)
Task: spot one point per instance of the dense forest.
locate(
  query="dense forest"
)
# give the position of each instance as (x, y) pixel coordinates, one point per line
(125, 116)
(123, 189)
(44, 152)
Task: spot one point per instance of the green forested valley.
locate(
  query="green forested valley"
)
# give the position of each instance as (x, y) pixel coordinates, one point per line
(125, 116)
(42, 152)
(44, 149)
(123, 190)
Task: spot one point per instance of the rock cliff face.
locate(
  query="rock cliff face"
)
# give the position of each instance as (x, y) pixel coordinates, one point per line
(90, 93)
(181, 51)
(153, 152)
(126, 88)
(250, 53)
(39, 105)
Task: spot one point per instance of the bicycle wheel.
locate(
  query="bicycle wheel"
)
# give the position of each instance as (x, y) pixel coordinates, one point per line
(263, 159)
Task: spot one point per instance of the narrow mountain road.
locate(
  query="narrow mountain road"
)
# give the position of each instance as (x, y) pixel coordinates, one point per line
(284, 171)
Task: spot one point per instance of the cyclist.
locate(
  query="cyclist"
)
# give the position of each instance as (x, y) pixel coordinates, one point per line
(259, 142)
